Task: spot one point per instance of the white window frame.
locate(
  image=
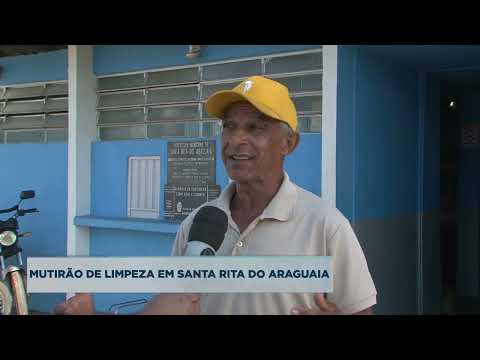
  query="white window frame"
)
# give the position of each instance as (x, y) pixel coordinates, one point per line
(135, 212)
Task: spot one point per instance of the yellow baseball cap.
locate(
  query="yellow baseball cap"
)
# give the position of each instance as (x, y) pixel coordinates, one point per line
(268, 96)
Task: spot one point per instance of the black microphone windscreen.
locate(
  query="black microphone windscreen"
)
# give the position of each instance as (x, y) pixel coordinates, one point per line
(209, 226)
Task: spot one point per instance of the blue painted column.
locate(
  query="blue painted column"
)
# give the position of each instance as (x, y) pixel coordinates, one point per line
(377, 169)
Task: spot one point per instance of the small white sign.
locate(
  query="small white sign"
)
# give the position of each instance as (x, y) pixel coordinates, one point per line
(192, 274)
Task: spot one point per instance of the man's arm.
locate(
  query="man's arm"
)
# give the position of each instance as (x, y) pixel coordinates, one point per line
(162, 304)
(354, 291)
(324, 307)
(368, 311)
(173, 304)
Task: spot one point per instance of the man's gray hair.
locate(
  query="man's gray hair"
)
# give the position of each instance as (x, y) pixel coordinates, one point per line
(287, 130)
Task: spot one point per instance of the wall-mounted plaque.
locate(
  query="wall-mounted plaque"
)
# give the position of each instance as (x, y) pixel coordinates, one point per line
(191, 162)
(183, 199)
(191, 177)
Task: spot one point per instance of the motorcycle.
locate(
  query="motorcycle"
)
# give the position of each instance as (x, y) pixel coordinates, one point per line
(13, 294)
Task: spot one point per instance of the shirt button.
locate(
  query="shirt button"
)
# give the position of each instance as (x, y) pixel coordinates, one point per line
(240, 244)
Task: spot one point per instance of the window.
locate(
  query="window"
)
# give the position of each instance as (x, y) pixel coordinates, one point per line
(144, 187)
(34, 113)
(174, 112)
(294, 63)
(238, 70)
(171, 103)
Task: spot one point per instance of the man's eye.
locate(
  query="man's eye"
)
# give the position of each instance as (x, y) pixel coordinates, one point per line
(260, 126)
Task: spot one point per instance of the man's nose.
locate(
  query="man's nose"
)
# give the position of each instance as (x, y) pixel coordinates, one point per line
(238, 137)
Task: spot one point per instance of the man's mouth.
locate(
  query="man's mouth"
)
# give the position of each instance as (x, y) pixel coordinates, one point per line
(240, 157)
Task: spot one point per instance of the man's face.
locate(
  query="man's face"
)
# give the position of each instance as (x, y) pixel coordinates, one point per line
(253, 145)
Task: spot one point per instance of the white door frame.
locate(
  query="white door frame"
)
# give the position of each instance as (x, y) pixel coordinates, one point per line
(329, 124)
(81, 132)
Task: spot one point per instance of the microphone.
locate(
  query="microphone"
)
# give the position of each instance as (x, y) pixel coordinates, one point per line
(207, 232)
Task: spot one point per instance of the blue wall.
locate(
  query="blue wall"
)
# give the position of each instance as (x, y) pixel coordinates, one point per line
(430, 57)
(111, 59)
(109, 196)
(382, 99)
(110, 170)
(48, 66)
(43, 168)
(386, 139)
(346, 122)
(377, 134)
(377, 159)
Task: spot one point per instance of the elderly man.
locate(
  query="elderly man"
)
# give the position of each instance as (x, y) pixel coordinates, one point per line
(268, 214)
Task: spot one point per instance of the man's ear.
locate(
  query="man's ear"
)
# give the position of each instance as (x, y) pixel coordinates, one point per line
(292, 142)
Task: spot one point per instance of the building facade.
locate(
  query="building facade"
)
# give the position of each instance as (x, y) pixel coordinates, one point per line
(88, 128)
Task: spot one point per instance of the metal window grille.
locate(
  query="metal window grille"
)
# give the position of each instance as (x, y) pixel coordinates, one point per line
(169, 103)
(34, 113)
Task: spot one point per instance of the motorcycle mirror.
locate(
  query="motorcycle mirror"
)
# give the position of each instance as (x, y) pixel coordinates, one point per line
(28, 194)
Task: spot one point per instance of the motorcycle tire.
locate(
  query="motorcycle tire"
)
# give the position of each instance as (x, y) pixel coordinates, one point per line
(5, 299)
(19, 293)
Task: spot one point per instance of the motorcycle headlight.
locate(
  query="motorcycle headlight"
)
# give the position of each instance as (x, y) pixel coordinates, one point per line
(8, 238)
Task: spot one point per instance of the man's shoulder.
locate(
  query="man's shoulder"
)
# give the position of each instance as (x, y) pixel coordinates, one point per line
(313, 206)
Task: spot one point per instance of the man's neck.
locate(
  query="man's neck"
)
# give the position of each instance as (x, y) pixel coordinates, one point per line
(254, 197)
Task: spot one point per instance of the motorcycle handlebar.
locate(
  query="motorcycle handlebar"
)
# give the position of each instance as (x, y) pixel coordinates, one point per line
(26, 211)
(22, 212)
(9, 210)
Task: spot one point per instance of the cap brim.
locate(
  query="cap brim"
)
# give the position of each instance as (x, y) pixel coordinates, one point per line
(221, 100)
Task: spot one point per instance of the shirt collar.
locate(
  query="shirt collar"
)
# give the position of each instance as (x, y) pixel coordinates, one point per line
(280, 207)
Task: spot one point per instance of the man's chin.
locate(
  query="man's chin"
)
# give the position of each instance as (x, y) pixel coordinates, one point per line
(241, 177)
